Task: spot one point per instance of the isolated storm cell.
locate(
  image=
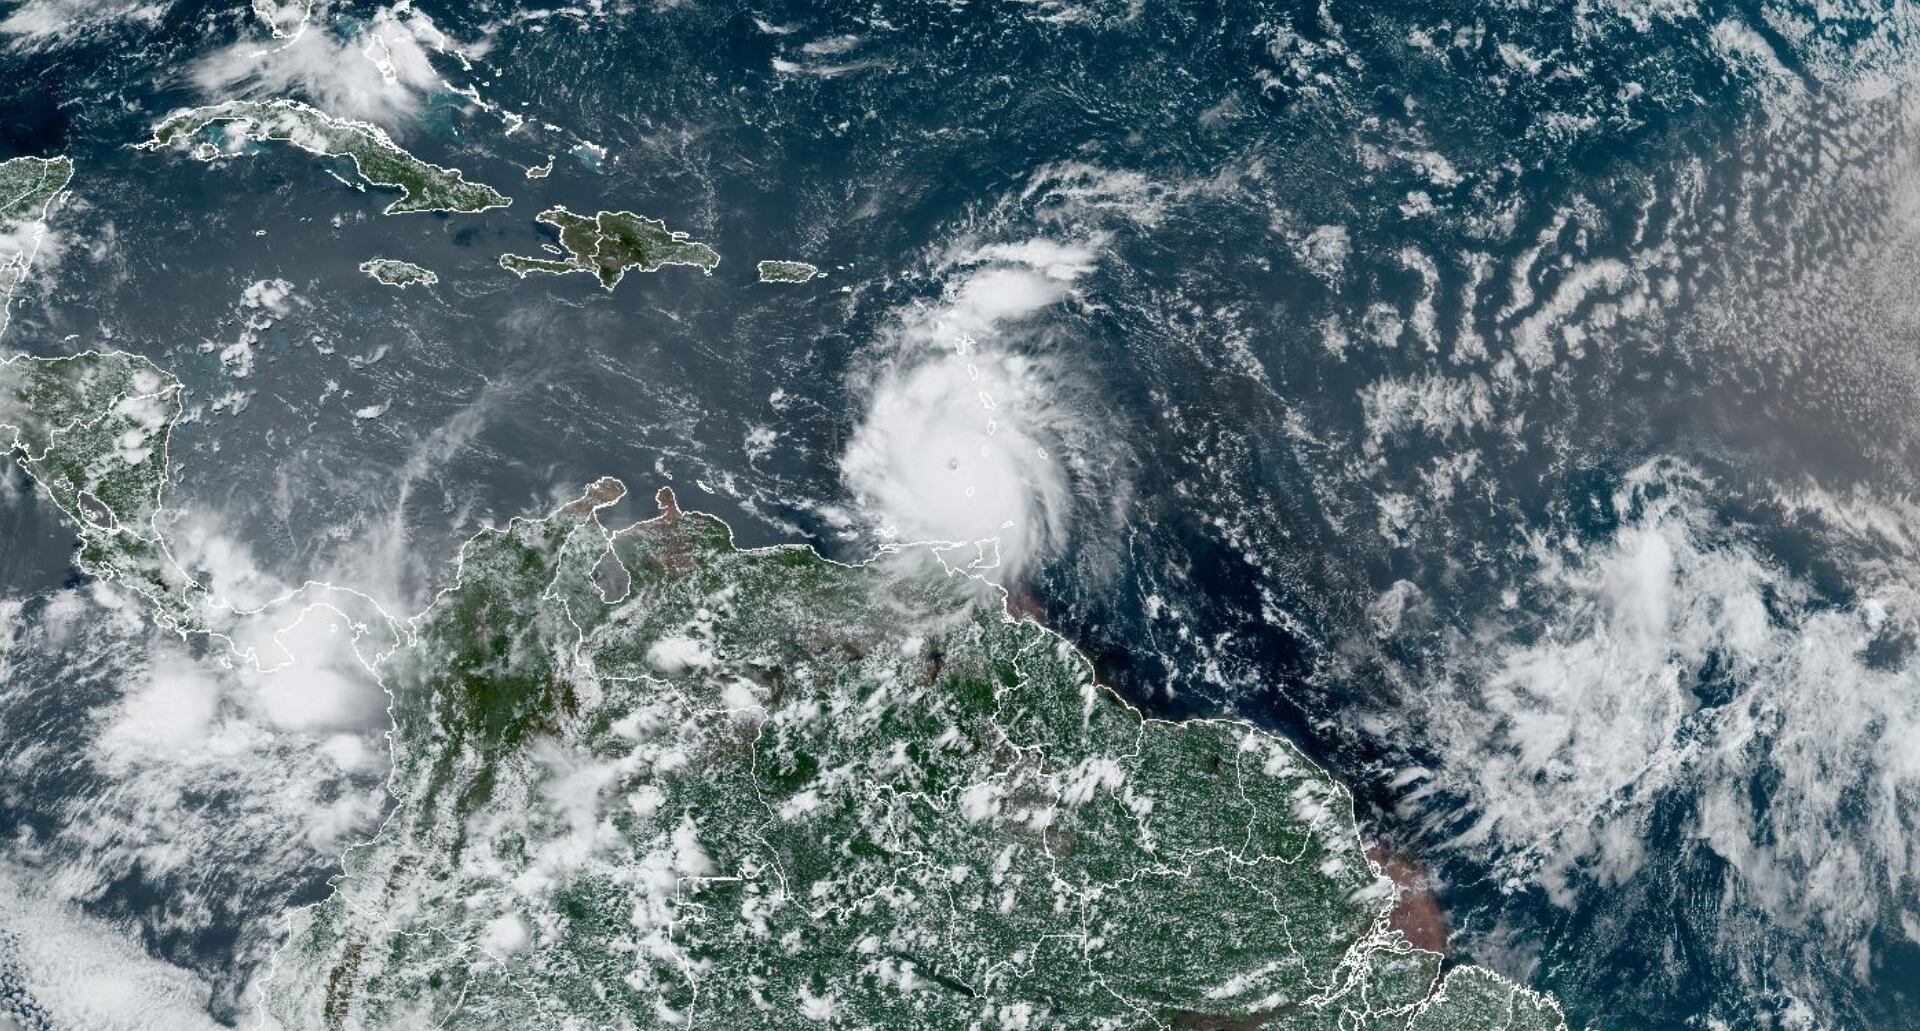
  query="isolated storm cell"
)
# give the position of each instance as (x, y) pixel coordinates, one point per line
(955, 450)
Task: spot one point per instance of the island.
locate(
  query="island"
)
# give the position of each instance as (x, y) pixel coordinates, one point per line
(610, 243)
(223, 129)
(28, 186)
(644, 778)
(787, 271)
(394, 272)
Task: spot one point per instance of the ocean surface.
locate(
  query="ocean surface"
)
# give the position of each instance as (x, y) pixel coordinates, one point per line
(1513, 403)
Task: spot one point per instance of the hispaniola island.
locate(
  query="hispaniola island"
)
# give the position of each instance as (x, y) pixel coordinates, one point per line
(1003, 515)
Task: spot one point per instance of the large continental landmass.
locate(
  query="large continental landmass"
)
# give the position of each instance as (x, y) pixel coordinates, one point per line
(611, 242)
(645, 779)
(221, 128)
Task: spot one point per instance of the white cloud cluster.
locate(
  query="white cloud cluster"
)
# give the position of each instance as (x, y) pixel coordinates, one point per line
(1568, 719)
(84, 972)
(379, 70)
(263, 303)
(39, 24)
(963, 433)
(218, 776)
(27, 248)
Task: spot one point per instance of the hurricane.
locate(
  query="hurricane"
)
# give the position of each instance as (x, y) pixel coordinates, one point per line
(964, 438)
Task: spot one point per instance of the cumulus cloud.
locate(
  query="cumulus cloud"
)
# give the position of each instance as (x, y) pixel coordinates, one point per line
(20, 245)
(39, 24)
(22, 242)
(202, 544)
(181, 783)
(965, 435)
(377, 71)
(302, 656)
(169, 712)
(83, 972)
(27, 248)
(1677, 660)
(320, 684)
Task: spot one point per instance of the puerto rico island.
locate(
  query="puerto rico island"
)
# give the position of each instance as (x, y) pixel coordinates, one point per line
(225, 129)
(394, 272)
(787, 271)
(610, 243)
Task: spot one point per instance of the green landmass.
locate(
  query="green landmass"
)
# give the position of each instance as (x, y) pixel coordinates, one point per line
(222, 129)
(92, 431)
(27, 184)
(610, 243)
(394, 272)
(646, 779)
(787, 271)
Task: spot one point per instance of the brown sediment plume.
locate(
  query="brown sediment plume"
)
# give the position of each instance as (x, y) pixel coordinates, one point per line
(1021, 604)
(1416, 913)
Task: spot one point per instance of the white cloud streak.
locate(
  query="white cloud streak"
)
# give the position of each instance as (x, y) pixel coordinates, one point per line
(379, 71)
